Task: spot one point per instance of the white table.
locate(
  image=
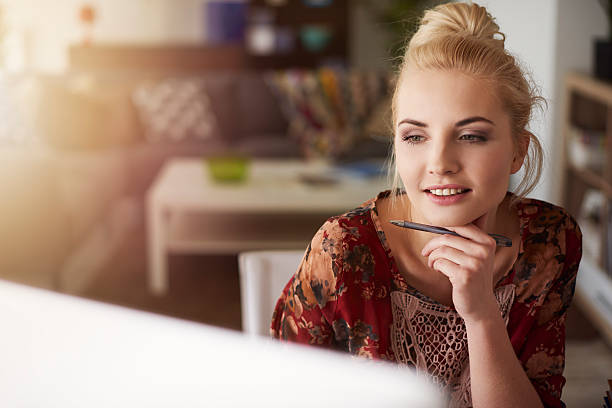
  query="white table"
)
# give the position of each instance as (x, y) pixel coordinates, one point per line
(188, 212)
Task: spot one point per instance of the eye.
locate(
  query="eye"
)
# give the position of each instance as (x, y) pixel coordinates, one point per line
(473, 138)
(412, 139)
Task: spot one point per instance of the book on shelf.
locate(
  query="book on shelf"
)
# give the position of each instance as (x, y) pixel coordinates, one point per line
(591, 223)
(608, 241)
(587, 148)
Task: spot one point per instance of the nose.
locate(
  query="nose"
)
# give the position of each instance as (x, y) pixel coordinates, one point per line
(443, 159)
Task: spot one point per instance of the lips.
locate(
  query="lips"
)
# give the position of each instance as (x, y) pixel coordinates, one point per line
(446, 190)
(447, 194)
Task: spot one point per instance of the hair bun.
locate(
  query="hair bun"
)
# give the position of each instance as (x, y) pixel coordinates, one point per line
(461, 19)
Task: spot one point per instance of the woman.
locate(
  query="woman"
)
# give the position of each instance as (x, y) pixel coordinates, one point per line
(484, 322)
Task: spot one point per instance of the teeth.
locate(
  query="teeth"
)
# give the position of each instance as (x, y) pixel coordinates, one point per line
(447, 191)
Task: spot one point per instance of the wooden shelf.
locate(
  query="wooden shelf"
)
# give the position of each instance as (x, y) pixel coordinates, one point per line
(296, 15)
(593, 179)
(590, 87)
(588, 105)
(592, 296)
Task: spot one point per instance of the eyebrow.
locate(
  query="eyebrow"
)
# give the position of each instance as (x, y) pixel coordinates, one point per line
(462, 122)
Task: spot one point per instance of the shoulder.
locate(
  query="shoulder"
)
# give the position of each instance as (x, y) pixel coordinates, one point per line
(552, 248)
(332, 250)
(543, 212)
(353, 225)
(544, 222)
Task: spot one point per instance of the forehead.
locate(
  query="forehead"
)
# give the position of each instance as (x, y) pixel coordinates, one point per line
(432, 95)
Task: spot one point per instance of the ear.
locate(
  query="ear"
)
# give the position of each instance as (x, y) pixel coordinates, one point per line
(522, 147)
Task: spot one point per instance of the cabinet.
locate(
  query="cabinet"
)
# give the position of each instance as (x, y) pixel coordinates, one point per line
(292, 33)
(278, 35)
(587, 190)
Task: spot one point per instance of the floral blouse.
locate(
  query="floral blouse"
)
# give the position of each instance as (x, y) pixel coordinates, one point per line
(348, 295)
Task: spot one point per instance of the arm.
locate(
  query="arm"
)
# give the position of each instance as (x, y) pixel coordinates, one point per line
(542, 356)
(498, 376)
(304, 313)
(542, 353)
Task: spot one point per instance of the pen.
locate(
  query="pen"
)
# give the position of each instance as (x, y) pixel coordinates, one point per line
(499, 239)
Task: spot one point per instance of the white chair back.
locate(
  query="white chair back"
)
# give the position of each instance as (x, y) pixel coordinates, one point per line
(263, 275)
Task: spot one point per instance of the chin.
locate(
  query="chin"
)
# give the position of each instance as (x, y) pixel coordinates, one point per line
(450, 221)
(452, 218)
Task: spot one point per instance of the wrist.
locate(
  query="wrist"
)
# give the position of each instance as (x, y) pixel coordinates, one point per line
(489, 315)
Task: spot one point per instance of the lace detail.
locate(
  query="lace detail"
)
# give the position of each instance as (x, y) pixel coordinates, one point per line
(432, 338)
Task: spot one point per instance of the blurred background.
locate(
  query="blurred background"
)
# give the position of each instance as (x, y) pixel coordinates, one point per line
(97, 98)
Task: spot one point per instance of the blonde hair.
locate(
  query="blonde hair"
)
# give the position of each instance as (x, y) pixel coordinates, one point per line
(464, 37)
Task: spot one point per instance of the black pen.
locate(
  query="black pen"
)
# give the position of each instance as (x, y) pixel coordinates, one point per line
(499, 239)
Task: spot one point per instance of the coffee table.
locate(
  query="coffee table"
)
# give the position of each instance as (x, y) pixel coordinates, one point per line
(280, 206)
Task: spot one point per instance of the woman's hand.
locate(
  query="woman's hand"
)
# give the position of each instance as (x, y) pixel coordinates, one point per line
(468, 262)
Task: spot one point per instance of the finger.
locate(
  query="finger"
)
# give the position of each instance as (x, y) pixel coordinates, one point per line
(474, 233)
(452, 254)
(446, 267)
(463, 244)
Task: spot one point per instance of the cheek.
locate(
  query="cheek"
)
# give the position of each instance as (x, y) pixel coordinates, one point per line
(407, 171)
(495, 170)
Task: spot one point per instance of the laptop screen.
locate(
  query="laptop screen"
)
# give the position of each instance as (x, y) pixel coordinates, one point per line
(64, 351)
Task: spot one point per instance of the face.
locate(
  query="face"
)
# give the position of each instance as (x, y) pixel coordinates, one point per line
(454, 147)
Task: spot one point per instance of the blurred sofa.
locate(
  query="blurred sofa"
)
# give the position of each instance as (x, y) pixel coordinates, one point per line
(97, 113)
(77, 180)
(51, 202)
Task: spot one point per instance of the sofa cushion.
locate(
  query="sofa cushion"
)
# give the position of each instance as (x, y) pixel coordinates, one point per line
(258, 107)
(328, 110)
(221, 90)
(86, 112)
(175, 109)
(34, 226)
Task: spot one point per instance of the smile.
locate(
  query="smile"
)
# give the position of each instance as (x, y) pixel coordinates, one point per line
(447, 191)
(447, 196)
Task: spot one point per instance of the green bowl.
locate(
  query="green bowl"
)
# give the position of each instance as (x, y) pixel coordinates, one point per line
(228, 168)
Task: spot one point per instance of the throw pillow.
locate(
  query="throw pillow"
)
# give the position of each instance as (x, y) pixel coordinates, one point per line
(329, 109)
(174, 110)
(16, 101)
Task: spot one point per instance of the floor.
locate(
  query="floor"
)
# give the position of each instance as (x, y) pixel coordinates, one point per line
(206, 289)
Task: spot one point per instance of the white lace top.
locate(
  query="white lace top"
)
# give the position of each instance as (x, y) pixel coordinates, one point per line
(432, 338)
